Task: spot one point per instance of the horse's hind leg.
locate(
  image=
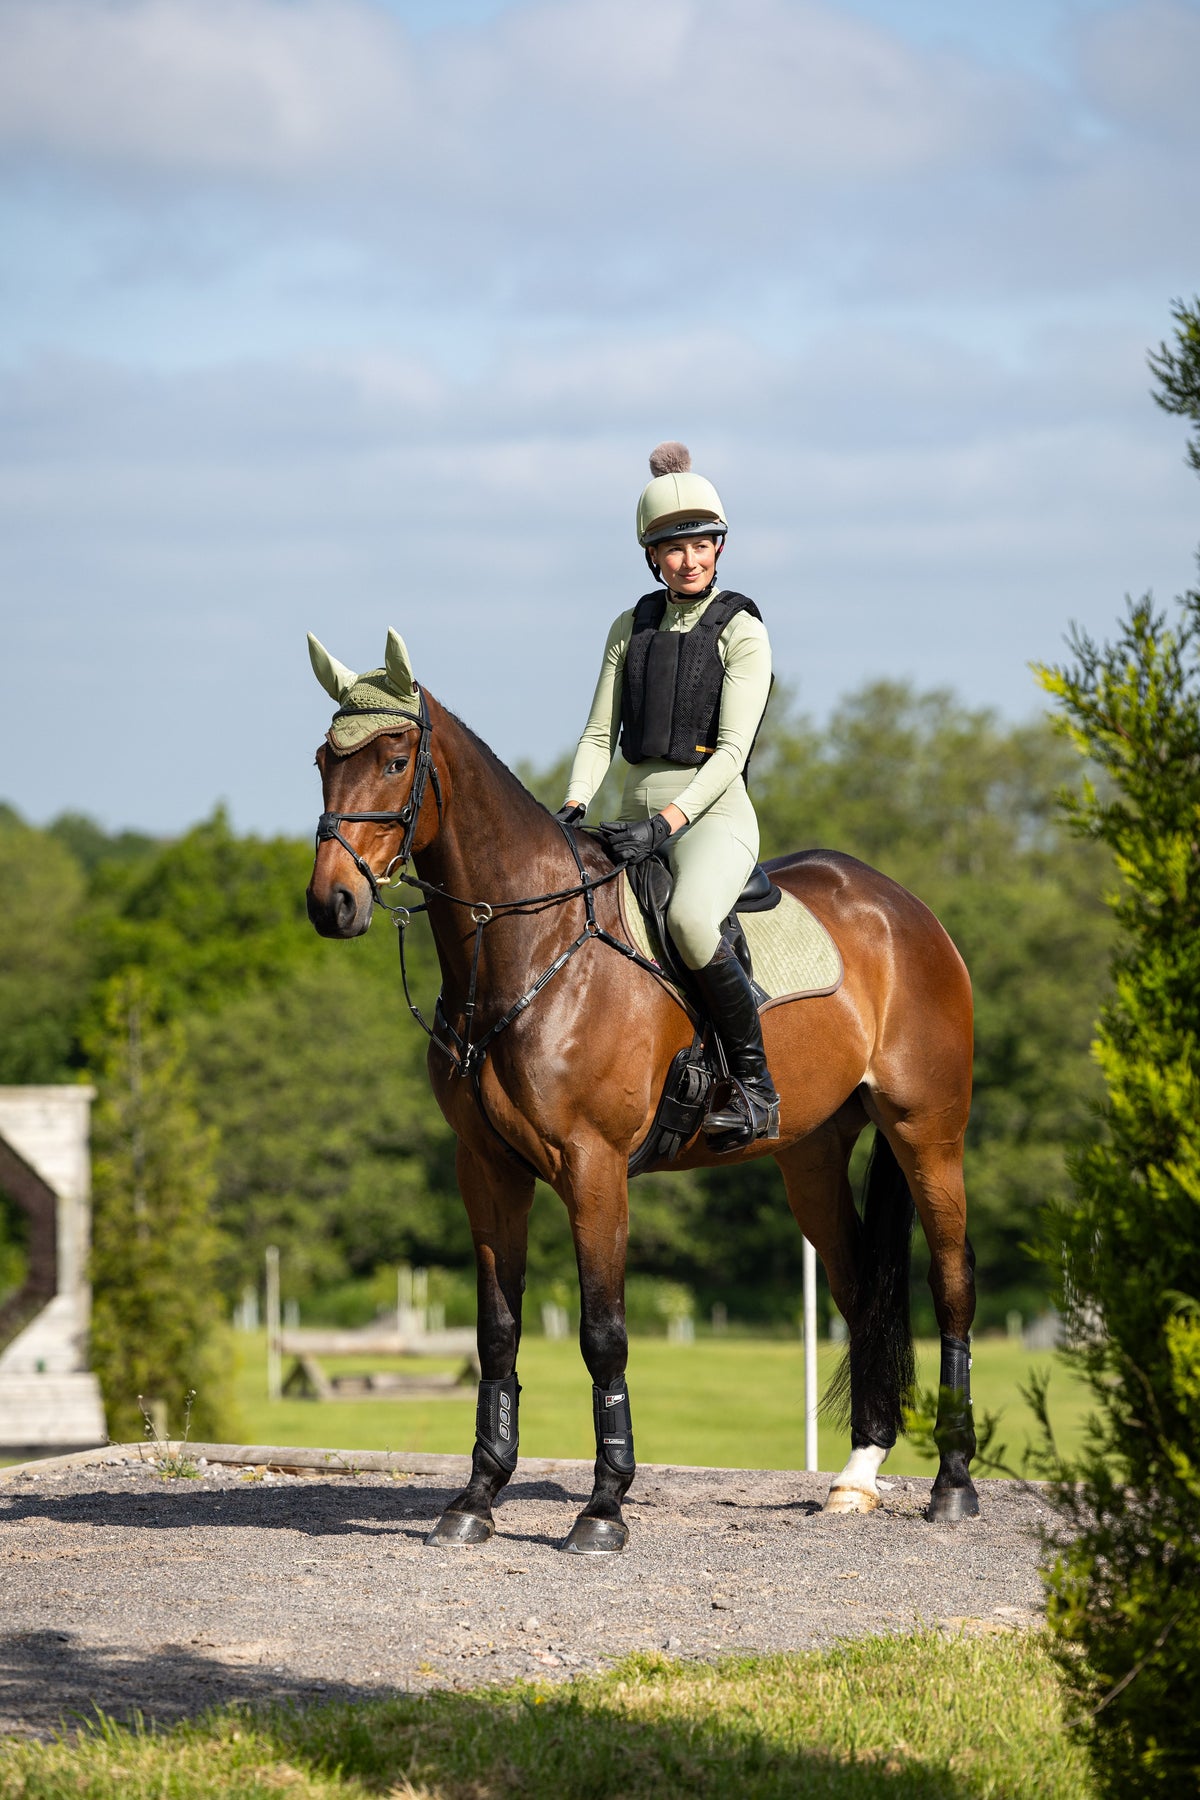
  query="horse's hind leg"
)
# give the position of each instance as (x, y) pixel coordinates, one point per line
(932, 1164)
(815, 1173)
(497, 1194)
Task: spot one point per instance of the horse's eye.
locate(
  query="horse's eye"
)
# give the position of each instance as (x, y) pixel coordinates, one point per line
(397, 766)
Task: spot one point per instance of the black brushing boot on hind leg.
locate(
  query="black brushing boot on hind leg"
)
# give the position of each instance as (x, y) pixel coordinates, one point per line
(600, 1530)
(468, 1517)
(954, 1495)
(751, 1110)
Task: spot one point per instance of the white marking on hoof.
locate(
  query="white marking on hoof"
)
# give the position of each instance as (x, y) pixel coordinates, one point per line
(850, 1500)
(855, 1490)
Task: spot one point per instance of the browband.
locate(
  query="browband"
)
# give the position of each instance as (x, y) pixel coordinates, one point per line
(370, 712)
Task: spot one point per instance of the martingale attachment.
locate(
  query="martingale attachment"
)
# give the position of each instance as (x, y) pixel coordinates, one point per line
(496, 1419)
(614, 1427)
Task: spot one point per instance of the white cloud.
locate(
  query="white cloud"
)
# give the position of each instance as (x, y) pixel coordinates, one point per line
(1140, 64)
(688, 90)
(211, 87)
(587, 159)
(679, 94)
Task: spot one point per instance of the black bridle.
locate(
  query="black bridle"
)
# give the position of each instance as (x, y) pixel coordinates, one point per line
(465, 1053)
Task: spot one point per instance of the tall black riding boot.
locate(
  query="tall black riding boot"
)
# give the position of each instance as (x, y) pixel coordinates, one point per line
(752, 1108)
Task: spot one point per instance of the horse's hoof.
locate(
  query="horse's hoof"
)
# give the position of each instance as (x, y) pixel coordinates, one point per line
(461, 1528)
(850, 1500)
(596, 1537)
(951, 1505)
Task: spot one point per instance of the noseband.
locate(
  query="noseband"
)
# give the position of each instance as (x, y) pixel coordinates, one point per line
(329, 824)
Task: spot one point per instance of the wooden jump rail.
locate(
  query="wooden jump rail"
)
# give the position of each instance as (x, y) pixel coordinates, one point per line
(291, 1459)
(309, 1380)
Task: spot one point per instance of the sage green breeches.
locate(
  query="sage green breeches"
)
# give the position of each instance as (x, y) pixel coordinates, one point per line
(711, 860)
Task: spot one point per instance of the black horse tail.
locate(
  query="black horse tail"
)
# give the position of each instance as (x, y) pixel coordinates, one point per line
(884, 1374)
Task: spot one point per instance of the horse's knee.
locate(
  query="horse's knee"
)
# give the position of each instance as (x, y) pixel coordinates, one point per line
(497, 1338)
(604, 1344)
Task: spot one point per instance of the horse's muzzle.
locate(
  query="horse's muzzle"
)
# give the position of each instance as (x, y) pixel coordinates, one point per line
(337, 912)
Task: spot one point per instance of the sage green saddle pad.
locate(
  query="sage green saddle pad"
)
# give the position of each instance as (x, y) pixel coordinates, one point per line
(793, 954)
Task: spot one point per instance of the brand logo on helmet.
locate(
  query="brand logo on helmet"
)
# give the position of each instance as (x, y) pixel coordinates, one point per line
(709, 527)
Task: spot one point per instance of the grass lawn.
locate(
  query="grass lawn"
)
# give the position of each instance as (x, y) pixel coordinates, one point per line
(925, 1718)
(732, 1402)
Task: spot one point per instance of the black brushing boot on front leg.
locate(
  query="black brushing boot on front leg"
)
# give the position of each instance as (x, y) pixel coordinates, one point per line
(468, 1517)
(752, 1108)
(954, 1495)
(600, 1530)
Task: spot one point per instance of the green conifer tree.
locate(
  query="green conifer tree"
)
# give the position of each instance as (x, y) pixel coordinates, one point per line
(158, 1326)
(1124, 1588)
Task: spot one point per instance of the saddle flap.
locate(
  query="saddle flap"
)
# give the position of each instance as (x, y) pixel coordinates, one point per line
(652, 883)
(680, 1109)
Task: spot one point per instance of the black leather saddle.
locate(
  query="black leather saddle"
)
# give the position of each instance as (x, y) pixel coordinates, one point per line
(652, 883)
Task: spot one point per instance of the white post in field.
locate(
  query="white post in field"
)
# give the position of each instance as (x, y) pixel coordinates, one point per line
(810, 1357)
(274, 1327)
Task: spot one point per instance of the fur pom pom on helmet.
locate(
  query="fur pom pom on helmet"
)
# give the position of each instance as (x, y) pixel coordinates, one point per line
(670, 458)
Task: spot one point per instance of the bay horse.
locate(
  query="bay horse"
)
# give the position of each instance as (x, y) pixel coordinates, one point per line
(548, 1056)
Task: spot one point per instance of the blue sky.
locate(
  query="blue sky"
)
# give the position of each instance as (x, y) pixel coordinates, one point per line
(341, 314)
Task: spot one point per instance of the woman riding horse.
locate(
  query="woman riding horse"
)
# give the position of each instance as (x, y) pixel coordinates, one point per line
(683, 686)
(553, 1037)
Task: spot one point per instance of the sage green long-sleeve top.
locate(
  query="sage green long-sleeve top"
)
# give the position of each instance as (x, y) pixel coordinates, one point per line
(745, 650)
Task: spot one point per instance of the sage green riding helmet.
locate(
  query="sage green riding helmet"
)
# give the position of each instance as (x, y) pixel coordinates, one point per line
(677, 503)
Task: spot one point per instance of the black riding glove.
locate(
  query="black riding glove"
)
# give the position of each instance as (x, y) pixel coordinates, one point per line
(570, 814)
(630, 841)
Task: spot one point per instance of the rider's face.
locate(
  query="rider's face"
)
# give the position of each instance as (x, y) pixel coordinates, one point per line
(687, 565)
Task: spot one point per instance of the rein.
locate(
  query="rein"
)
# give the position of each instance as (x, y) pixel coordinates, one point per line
(466, 1053)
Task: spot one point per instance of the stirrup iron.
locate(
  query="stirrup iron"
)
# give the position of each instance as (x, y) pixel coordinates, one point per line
(734, 1126)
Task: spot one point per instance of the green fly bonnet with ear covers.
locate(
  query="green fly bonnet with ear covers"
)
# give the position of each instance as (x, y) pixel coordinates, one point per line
(371, 704)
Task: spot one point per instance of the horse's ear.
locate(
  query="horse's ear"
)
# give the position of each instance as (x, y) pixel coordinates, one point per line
(334, 677)
(398, 665)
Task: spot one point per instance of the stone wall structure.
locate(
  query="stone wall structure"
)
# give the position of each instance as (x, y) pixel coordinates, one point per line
(49, 1400)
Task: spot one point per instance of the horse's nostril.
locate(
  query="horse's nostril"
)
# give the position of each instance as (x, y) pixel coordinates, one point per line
(335, 913)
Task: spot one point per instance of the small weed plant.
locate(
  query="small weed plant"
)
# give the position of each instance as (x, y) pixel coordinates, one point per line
(172, 1463)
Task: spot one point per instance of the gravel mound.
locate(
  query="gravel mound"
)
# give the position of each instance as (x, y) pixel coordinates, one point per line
(122, 1589)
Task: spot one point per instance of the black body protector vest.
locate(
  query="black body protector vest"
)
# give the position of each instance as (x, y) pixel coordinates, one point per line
(671, 685)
